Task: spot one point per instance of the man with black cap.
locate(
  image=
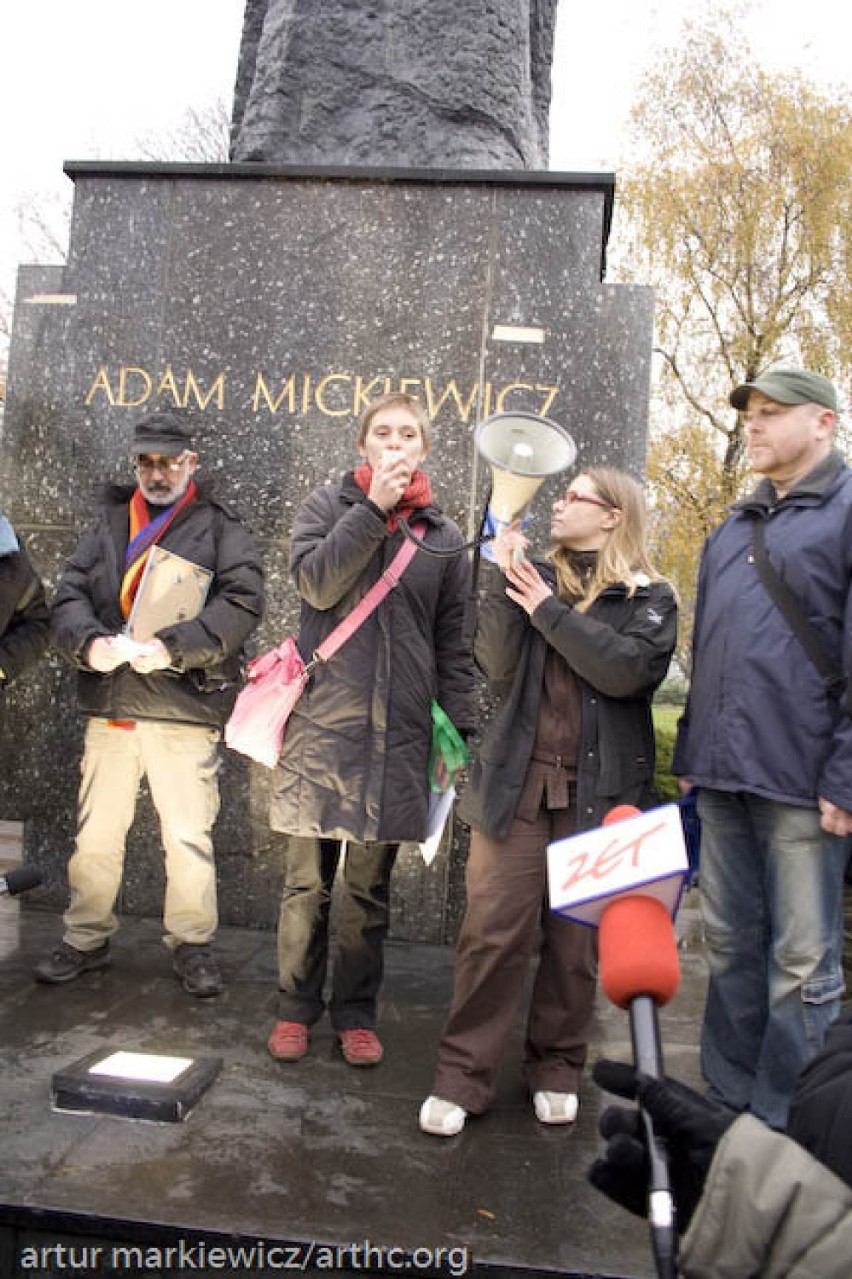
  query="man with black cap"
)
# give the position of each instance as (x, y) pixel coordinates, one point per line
(155, 707)
(767, 740)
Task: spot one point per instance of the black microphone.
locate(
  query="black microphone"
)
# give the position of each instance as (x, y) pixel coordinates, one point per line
(19, 880)
(640, 971)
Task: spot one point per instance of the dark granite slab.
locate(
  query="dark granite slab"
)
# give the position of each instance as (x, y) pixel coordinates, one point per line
(314, 1151)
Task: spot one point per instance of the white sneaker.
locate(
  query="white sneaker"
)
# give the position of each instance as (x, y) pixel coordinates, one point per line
(556, 1107)
(443, 1118)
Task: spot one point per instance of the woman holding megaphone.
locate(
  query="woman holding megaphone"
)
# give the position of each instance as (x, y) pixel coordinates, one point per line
(573, 647)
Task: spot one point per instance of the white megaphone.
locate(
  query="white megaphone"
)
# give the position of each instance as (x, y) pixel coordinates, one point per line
(523, 450)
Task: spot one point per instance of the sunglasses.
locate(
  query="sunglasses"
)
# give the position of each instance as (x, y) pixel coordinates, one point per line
(573, 496)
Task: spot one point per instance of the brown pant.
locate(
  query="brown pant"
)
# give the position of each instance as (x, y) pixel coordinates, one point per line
(507, 918)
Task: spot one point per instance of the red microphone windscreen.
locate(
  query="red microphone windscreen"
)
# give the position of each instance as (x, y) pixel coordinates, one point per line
(637, 951)
(620, 813)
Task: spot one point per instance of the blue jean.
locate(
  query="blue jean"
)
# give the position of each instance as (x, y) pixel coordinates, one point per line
(772, 901)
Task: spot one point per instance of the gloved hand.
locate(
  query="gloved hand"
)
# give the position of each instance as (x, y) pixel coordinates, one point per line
(690, 1125)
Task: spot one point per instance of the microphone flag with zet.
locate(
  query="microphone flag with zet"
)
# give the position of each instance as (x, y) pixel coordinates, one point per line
(626, 878)
(639, 970)
(631, 852)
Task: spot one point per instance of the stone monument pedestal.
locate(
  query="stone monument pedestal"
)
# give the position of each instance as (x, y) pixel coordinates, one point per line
(270, 303)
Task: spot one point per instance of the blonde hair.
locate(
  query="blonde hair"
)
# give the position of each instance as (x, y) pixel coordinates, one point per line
(624, 557)
(394, 400)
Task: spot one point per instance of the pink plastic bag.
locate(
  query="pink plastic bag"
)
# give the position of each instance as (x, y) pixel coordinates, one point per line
(275, 683)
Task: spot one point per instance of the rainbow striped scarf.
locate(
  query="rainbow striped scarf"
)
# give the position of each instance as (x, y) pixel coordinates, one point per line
(144, 533)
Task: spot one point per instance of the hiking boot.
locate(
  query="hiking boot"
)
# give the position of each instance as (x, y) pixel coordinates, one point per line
(360, 1047)
(197, 970)
(555, 1107)
(67, 962)
(288, 1041)
(442, 1118)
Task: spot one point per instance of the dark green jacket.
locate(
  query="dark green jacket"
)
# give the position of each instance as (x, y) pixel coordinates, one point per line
(620, 650)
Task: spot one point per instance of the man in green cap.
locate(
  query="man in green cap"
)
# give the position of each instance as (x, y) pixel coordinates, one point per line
(767, 740)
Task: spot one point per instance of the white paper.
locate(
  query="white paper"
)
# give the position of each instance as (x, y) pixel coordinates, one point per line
(440, 807)
(150, 1067)
(129, 648)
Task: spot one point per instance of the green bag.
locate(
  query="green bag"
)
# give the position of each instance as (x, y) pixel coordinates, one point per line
(448, 743)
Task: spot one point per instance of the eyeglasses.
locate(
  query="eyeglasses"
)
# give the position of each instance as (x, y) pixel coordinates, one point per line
(573, 496)
(147, 464)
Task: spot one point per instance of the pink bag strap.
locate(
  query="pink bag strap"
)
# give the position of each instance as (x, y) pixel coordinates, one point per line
(371, 601)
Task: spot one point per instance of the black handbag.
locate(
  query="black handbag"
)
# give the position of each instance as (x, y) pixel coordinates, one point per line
(785, 601)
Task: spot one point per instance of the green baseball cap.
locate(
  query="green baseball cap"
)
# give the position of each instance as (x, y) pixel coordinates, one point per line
(788, 386)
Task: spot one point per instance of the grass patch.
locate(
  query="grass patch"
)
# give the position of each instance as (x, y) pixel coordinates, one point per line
(666, 716)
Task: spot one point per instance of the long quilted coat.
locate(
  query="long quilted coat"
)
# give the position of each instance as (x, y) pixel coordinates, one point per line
(354, 763)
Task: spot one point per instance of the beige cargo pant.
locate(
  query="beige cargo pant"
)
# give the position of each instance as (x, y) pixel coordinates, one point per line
(181, 763)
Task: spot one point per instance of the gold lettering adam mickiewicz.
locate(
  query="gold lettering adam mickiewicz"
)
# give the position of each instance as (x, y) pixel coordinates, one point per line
(130, 386)
(338, 394)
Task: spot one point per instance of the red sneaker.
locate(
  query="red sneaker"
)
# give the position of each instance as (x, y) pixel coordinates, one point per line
(360, 1047)
(288, 1041)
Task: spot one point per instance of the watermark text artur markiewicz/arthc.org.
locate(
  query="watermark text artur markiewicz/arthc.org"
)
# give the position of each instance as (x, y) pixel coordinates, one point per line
(187, 1256)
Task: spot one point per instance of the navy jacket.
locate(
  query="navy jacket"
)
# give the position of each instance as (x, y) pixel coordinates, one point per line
(758, 718)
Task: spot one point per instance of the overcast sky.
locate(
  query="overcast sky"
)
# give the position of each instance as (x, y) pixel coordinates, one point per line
(84, 79)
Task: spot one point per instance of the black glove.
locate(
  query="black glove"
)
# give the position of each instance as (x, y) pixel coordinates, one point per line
(689, 1124)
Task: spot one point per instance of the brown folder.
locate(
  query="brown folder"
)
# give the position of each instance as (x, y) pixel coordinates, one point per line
(172, 590)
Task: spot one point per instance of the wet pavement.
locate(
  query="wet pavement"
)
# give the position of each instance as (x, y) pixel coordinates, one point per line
(313, 1166)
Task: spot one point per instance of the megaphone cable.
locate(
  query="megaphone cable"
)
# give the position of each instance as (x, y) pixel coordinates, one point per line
(433, 550)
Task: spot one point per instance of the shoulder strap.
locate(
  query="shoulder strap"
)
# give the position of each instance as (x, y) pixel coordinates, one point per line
(371, 601)
(790, 608)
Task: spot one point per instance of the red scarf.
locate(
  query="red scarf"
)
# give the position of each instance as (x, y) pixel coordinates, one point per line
(417, 494)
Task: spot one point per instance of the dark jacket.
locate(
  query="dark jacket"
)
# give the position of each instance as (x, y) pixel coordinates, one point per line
(620, 650)
(820, 1117)
(356, 749)
(758, 718)
(24, 616)
(206, 651)
(768, 1208)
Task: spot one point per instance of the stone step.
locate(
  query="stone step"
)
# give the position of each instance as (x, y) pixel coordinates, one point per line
(11, 842)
